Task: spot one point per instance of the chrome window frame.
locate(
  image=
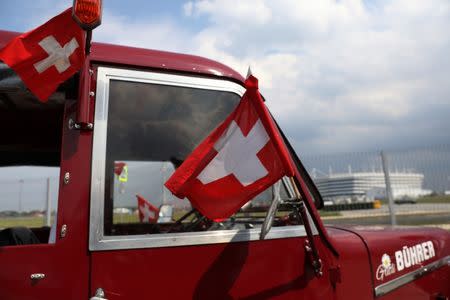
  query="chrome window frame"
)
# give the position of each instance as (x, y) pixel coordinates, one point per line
(97, 240)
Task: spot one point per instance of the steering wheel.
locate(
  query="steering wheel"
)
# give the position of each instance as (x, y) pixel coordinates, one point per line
(198, 222)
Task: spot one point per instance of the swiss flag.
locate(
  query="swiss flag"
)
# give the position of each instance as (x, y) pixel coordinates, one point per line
(48, 55)
(241, 158)
(147, 212)
(118, 168)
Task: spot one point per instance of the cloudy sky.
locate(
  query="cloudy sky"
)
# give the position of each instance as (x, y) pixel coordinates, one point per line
(339, 76)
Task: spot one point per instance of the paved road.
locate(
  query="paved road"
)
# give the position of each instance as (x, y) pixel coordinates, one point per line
(422, 208)
(406, 214)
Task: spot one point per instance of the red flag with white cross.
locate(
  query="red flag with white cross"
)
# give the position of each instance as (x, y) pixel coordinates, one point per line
(148, 213)
(48, 55)
(241, 158)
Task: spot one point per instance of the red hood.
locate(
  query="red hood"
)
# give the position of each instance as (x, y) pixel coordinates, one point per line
(396, 251)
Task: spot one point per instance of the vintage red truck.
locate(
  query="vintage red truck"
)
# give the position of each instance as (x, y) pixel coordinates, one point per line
(147, 110)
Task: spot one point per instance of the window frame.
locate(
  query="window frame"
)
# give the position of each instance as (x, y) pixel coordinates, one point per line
(97, 240)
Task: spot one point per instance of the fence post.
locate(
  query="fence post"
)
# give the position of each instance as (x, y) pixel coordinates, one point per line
(387, 180)
(20, 195)
(48, 206)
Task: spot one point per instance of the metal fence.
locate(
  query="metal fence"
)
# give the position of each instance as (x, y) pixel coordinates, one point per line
(355, 187)
(404, 187)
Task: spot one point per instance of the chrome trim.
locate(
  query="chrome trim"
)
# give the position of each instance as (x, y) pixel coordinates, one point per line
(99, 295)
(97, 240)
(193, 238)
(389, 286)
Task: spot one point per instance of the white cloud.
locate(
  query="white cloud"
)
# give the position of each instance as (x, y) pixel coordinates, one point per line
(187, 8)
(233, 13)
(344, 70)
(161, 34)
(364, 66)
(347, 74)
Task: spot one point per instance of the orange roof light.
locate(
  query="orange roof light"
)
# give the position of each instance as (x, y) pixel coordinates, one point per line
(87, 13)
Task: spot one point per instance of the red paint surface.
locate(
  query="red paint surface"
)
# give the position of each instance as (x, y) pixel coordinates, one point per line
(273, 269)
(387, 240)
(154, 59)
(430, 286)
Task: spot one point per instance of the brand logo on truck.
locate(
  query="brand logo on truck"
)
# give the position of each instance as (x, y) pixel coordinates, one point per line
(405, 258)
(411, 256)
(386, 268)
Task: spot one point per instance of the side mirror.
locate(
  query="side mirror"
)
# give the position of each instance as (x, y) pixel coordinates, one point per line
(165, 213)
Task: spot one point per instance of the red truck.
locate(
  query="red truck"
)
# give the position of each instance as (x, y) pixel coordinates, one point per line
(147, 110)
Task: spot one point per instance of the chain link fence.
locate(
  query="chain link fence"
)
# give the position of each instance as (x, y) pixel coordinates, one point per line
(403, 187)
(355, 188)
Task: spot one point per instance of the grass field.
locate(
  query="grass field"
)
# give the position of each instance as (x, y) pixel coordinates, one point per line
(428, 199)
(124, 218)
(324, 213)
(31, 222)
(22, 221)
(434, 199)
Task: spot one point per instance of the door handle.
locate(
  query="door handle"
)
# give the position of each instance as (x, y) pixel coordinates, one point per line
(37, 276)
(99, 295)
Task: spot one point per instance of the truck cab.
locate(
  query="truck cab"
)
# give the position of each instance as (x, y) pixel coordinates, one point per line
(116, 131)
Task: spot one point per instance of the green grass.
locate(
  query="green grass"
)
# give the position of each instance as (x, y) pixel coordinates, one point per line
(22, 221)
(428, 199)
(434, 199)
(125, 218)
(39, 221)
(132, 218)
(324, 213)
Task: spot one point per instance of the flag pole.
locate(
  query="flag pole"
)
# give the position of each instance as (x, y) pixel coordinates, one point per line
(87, 48)
(310, 246)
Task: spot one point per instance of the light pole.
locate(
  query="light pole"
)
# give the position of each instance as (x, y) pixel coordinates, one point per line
(163, 171)
(20, 195)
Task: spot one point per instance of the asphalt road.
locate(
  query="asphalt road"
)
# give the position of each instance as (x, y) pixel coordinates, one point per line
(406, 214)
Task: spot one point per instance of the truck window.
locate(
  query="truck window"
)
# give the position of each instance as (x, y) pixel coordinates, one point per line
(152, 128)
(149, 128)
(29, 161)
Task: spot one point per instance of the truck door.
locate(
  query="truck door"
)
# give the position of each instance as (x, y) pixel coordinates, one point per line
(43, 217)
(148, 244)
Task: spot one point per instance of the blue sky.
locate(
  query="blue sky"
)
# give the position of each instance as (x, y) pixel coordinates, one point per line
(339, 76)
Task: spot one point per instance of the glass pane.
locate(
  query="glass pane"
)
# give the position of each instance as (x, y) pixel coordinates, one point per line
(151, 130)
(145, 180)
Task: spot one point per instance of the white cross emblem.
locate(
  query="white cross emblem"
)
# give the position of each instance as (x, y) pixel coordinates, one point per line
(148, 214)
(237, 155)
(57, 56)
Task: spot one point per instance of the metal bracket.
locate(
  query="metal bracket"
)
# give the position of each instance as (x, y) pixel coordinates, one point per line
(335, 275)
(276, 198)
(316, 262)
(310, 247)
(99, 295)
(63, 232)
(37, 276)
(80, 126)
(66, 178)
